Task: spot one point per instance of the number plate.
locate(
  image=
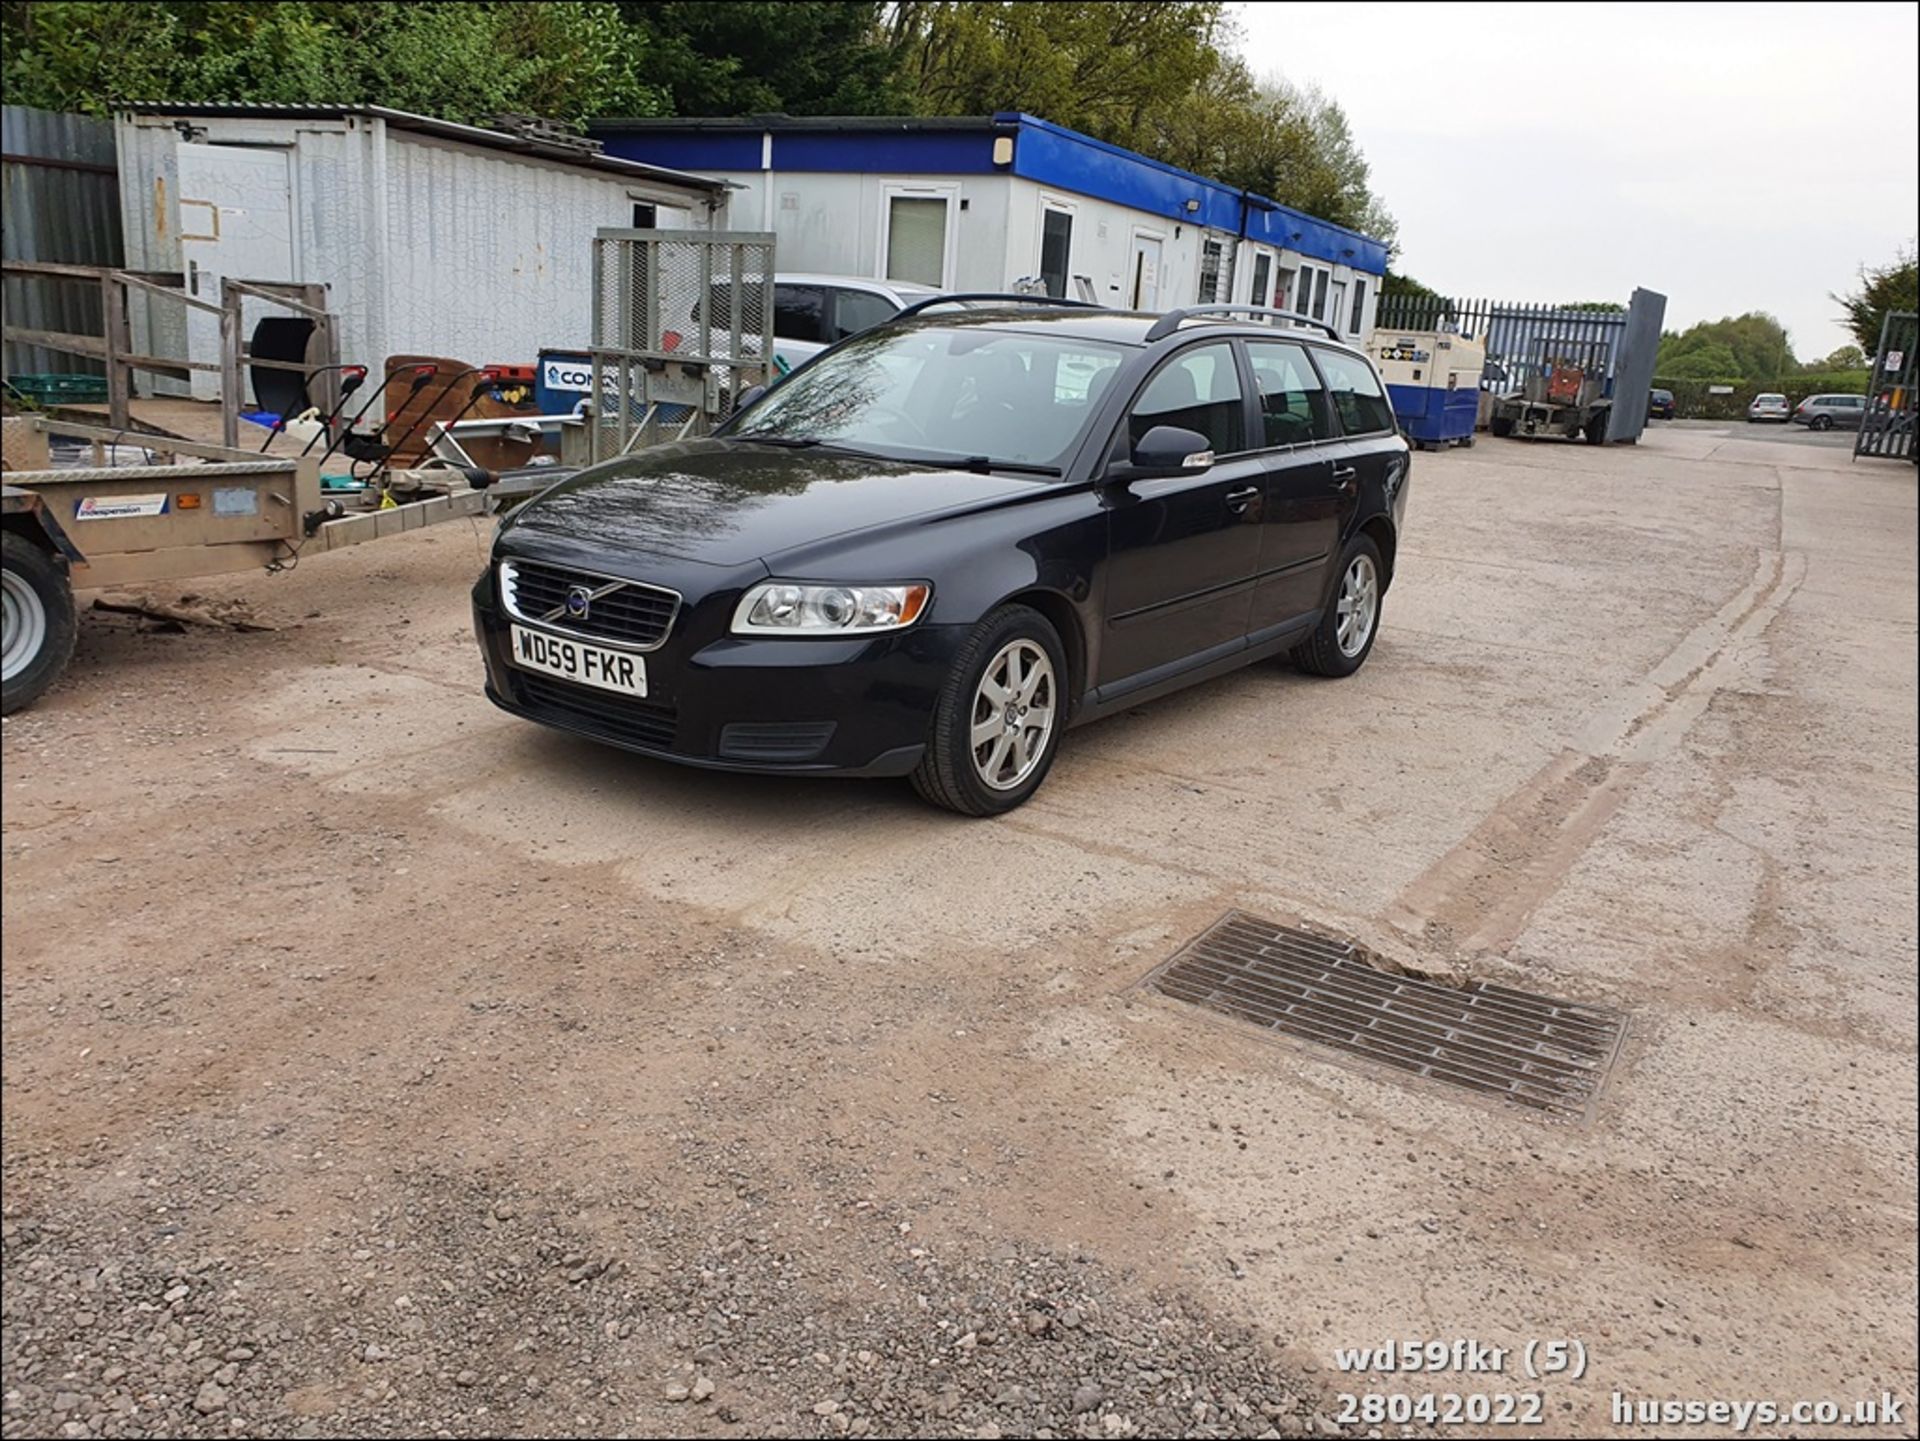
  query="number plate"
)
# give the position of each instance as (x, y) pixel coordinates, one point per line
(615, 670)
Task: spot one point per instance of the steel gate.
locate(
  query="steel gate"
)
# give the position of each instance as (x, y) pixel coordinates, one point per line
(1887, 428)
(682, 324)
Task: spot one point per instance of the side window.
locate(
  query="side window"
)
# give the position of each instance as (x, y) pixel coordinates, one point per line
(858, 310)
(1356, 394)
(800, 312)
(1197, 390)
(1293, 404)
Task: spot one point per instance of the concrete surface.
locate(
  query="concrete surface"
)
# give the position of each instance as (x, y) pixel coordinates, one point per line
(1639, 729)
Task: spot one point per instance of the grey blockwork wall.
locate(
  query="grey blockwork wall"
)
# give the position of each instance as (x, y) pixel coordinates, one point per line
(1633, 376)
(62, 203)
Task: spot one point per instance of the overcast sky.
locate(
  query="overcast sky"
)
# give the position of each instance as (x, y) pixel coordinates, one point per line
(1733, 157)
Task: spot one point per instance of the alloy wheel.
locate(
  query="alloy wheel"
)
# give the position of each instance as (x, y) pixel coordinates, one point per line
(1358, 607)
(1014, 708)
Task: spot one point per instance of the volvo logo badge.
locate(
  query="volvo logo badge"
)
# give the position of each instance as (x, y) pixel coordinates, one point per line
(579, 602)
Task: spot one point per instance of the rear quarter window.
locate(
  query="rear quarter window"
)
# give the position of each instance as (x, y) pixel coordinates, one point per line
(1357, 397)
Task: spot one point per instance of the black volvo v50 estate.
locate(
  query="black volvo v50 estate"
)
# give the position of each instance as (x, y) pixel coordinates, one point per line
(935, 547)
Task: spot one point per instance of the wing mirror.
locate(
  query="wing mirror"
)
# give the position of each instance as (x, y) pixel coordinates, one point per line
(1163, 451)
(747, 397)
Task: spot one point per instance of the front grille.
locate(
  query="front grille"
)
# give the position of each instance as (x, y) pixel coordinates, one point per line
(620, 719)
(775, 740)
(625, 612)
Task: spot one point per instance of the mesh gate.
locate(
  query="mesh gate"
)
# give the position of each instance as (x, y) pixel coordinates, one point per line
(1893, 399)
(682, 323)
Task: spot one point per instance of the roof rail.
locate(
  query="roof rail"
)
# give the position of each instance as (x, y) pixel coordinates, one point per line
(1172, 320)
(920, 307)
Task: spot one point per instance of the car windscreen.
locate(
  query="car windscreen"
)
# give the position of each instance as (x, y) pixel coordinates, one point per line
(934, 392)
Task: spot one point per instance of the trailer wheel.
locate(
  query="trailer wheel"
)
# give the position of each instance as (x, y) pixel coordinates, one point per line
(1501, 425)
(1596, 427)
(39, 621)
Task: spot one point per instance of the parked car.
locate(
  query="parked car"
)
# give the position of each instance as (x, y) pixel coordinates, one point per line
(811, 312)
(1826, 412)
(1660, 405)
(1768, 407)
(941, 543)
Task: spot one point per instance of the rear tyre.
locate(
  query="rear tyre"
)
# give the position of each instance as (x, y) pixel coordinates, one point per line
(996, 727)
(1595, 429)
(1501, 425)
(1342, 641)
(39, 622)
(1821, 422)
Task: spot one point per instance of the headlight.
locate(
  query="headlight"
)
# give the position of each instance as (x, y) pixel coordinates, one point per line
(784, 607)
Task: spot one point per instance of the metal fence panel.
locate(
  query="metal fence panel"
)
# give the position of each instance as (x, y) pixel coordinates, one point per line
(1887, 429)
(682, 324)
(1518, 336)
(62, 203)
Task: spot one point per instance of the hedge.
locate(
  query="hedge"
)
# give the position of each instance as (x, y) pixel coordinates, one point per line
(1691, 400)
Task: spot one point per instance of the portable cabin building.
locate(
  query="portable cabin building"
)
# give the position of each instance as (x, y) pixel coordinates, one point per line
(433, 238)
(982, 203)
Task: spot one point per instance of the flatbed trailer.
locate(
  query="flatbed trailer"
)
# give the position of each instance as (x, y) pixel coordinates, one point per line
(88, 527)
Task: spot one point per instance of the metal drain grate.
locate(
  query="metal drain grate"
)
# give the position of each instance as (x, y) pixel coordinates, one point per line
(1535, 1051)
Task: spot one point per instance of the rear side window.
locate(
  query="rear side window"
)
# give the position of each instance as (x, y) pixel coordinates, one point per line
(1197, 390)
(800, 312)
(1293, 403)
(858, 310)
(1356, 394)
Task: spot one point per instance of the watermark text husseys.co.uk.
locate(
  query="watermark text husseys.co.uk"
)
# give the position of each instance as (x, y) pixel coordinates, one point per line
(1881, 1410)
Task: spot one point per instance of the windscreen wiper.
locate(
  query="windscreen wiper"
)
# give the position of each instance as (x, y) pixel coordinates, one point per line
(786, 442)
(984, 464)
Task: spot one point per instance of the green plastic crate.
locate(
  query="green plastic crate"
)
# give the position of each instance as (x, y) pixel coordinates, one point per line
(59, 389)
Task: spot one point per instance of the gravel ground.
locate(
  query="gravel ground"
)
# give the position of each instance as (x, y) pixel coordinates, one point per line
(472, 1305)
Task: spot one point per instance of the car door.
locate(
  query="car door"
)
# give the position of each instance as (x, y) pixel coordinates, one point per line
(1182, 548)
(1306, 505)
(1370, 460)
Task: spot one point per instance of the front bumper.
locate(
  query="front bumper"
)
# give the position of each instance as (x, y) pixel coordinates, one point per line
(854, 707)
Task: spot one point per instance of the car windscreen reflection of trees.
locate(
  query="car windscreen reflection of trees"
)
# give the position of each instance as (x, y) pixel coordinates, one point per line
(935, 392)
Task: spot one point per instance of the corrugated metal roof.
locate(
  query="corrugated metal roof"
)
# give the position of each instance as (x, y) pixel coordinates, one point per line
(444, 129)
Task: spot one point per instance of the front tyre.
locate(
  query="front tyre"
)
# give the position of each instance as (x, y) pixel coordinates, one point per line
(996, 726)
(39, 621)
(1342, 641)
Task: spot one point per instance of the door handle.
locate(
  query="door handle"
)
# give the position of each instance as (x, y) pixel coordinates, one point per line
(1343, 476)
(1242, 498)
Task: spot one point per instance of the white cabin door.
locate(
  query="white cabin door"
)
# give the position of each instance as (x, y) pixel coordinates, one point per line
(1143, 281)
(236, 223)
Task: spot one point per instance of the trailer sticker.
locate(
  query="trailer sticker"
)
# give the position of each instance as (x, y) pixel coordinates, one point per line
(236, 500)
(119, 507)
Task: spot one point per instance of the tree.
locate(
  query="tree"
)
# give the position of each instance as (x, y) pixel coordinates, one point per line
(1753, 346)
(1847, 357)
(800, 57)
(1395, 282)
(568, 59)
(1890, 287)
(1109, 69)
